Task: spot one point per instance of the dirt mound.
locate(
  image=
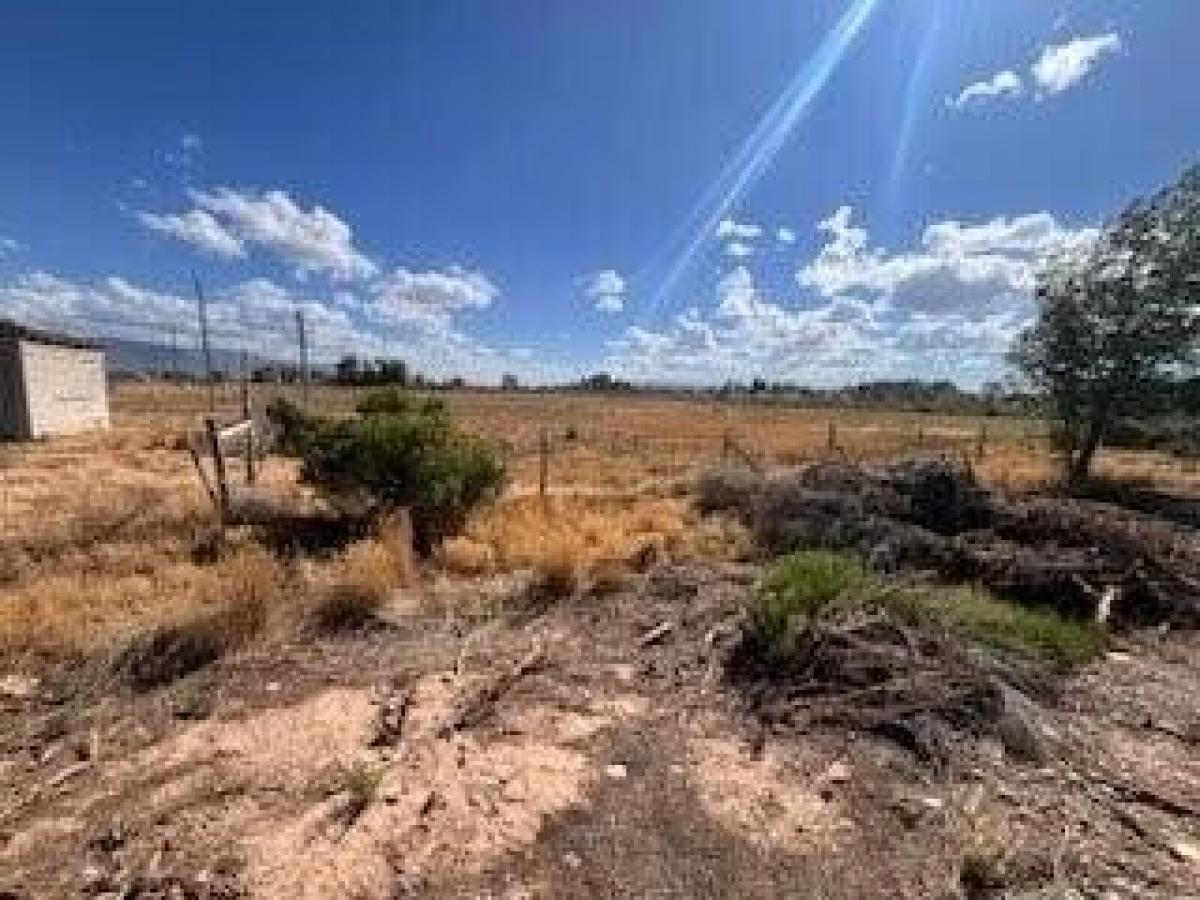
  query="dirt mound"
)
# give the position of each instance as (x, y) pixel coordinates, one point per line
(1082, 557)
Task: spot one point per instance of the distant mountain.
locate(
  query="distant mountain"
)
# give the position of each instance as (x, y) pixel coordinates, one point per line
(139, 357)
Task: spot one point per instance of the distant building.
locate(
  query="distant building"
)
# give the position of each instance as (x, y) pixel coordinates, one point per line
(49, 383)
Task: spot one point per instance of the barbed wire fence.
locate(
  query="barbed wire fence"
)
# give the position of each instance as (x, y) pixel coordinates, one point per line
(249, 365)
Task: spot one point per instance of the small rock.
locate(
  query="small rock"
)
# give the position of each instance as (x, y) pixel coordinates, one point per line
(837, 773)
(1117, 656)
(1019, 725)
(93, 876)
(572, 860)
(1185, 850)
(616, 771)
(19, 687)
(934, 803)
(273, 687)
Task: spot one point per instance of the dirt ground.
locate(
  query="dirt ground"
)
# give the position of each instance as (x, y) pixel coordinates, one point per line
(487, 739)
(592, 747)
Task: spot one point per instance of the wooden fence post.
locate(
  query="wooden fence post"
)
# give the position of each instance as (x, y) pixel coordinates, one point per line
(222, 487)
(251, 474)
(981, 442)
(543, 464)
(831, 438)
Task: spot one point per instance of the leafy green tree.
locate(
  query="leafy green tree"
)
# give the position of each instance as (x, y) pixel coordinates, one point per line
(1117, 319)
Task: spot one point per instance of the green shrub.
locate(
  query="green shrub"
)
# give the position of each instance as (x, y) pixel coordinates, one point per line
(405, 454)
(293, 427)
(798, 589)
(397, 403)
(804, 587)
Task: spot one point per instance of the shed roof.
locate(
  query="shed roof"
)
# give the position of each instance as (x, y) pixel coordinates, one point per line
(11, 330)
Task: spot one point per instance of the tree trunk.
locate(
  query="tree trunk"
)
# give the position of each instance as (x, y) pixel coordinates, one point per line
(1080, 465)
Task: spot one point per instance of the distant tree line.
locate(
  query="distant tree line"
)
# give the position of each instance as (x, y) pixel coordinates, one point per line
(912, 395)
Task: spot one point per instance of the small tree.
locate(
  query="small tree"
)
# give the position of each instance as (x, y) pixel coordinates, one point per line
(1117, 319)
(404, 452)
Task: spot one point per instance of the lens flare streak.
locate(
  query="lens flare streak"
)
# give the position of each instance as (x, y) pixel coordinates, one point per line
(763, 144)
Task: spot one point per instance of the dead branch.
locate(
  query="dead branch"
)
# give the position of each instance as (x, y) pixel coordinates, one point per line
(477, 707)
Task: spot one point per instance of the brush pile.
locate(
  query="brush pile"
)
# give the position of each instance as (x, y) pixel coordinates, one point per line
(1083, 558)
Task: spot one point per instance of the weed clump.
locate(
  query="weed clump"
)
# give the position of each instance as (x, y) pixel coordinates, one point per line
(357, 584)
(802, 589)
(797, 590)
(360, 782)
(920, 664)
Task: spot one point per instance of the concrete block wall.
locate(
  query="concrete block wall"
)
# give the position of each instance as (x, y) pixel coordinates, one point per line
(65, 388)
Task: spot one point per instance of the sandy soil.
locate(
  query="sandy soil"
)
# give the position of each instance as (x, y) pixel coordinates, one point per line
(561, 753)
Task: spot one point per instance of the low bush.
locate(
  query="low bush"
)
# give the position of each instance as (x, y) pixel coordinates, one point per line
(292, 426)
(797, 589)
(404, 453)
(1177, 435)
(803, 588)
(728, 489)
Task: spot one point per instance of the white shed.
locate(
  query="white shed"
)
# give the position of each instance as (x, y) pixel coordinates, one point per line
(49, 383)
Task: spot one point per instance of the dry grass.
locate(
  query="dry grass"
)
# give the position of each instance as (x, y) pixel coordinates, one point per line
(349, 591)
(588, 534)
(98, 531)
(88, 612)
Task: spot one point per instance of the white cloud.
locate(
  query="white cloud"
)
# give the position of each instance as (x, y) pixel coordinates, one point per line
(747, 334)
(41, 298)
(9, 245)
(1063, 66)
(742, 231)
(739, 249)
(258, 315)
(313, 240)
(606, 290)
(431, 299)
(190, 141)
(968, 269)
(1058, 68)
(196, 227)
(1005, 83)
(946, 308)
(785, 235)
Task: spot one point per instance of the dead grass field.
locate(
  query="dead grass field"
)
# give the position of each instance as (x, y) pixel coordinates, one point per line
(305, 756)
(98, 532)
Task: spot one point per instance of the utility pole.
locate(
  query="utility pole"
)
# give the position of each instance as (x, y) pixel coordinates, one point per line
(303, 357)
(174, 353)
(202, 314)
(245, 387)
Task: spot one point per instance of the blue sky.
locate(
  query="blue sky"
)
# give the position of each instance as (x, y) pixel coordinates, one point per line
(685, 190)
